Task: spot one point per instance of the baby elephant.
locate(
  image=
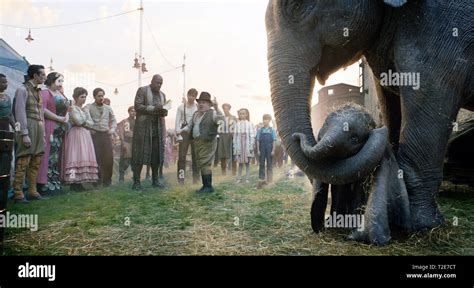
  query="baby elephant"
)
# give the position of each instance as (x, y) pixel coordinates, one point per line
(359, 162)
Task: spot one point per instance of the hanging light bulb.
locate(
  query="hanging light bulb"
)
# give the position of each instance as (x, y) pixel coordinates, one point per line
(136, 64)
(51, 69)
(144, 66)
(116, 92)
(29, 38)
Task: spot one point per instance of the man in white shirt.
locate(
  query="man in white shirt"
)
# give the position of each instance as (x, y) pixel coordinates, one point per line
(105, 125)
(184, 116)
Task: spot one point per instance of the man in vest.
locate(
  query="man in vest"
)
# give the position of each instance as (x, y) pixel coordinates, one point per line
(203, 129)
(30, 140)
(104, 127)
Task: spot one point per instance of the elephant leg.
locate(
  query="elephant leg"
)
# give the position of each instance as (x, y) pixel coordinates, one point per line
(376, 229)
(389, 103)
(345, 199)
(426, 126)
(318, 207)
(359, 197)
(398, 203)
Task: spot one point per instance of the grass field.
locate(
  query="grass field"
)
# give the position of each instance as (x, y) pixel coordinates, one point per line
(237, 220)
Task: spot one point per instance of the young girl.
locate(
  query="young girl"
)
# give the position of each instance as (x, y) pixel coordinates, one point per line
(80, 164)
(244, 139)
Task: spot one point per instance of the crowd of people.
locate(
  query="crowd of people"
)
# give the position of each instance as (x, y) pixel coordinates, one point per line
(62, 142)
(232, 141)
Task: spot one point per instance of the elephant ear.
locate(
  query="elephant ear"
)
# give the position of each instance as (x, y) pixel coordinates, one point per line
(395, 3)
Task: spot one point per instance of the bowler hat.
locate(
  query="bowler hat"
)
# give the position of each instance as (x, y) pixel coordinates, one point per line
(204, 96)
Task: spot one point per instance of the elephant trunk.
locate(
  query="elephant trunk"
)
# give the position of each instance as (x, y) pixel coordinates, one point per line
(325, 148)
(292, 82)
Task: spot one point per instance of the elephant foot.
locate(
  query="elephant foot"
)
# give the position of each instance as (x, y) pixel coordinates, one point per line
(359, 236)
(317, 225)
(425, 217)
(374, 238)
(422, 188)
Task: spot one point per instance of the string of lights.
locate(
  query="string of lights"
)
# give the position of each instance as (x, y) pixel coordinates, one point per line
(139, 61)
(70, 24)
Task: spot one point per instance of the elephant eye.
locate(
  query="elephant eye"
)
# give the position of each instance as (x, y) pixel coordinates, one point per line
(355, 139)
(297, 10)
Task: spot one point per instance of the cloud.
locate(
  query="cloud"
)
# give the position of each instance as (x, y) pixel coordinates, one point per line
(259, 98)
(91, 76)
(242, 86)
(45, 15)
(130, 5)
(26, 12)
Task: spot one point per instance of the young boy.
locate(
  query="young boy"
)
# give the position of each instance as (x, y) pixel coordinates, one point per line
(266, 149)
(203, 129)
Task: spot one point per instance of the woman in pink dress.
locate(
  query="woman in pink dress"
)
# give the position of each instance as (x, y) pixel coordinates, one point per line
(244, 139)
(79, 165)
(48, 174)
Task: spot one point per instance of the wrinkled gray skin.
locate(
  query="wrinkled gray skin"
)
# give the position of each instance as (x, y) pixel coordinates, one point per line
(306, 42)
(348, 129)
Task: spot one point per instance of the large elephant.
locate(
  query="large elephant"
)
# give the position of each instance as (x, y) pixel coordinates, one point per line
(310, 39)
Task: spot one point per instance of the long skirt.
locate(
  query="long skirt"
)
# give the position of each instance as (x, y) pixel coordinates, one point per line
(43, 170)
(243, 154)
(225, 146)
(79, 161)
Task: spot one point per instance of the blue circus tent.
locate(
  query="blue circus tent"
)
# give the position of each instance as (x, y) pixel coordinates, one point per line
(13, 65)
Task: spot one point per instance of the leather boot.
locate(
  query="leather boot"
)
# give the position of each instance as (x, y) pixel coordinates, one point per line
(209, 183)
(207, 188)
(203, 184)
(136, 184)
(137, 170)
(155, 182)
(33, 168)
(20, 171)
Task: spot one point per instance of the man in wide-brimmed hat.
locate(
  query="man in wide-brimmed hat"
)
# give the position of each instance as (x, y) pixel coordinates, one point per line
(203, 129)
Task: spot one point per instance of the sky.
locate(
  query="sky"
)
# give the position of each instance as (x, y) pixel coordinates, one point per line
(224, 42)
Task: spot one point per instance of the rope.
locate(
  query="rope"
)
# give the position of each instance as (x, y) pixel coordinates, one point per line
(71, 24)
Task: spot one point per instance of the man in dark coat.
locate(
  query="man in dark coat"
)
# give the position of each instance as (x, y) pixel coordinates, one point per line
(148, 146)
